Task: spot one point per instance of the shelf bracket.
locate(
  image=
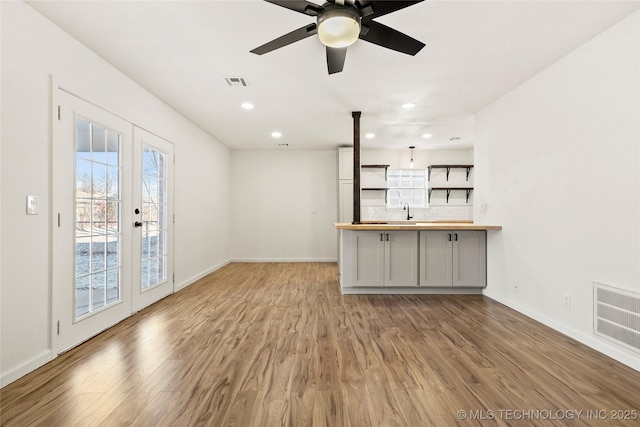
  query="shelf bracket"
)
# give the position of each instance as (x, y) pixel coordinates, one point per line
(448, 170)
(385, 167)
(430, 190)
(448, 190)
(468, 172)
(468, 192)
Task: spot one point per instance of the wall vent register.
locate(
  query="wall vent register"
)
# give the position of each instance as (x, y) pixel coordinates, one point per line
(236, 81)
(616, 315)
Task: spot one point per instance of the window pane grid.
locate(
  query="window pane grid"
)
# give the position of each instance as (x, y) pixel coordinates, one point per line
(154, 218)
(97, 217)
(406, 186)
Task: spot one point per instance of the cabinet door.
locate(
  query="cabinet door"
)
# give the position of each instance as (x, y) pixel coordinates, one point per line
(345, 191)
(469, 259)
(436, 258)
(401, 258)
(345, 163)
(367, 249)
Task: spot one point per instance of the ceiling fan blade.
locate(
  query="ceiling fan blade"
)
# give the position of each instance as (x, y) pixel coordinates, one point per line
(335, 59)
(391, 39)
(292, 37)
(381, 8)
(301, 6)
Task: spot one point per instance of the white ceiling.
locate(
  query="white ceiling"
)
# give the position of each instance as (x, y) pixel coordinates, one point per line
(475, 52)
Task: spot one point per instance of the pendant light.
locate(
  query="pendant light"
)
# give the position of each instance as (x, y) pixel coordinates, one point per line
(411, 162)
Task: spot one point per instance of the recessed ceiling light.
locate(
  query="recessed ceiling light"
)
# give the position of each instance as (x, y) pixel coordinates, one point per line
(426, 135)
(276, 134)
(370, 135)
(408, 105)
(247, 106)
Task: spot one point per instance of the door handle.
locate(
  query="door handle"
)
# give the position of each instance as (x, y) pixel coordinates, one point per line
(137, 224)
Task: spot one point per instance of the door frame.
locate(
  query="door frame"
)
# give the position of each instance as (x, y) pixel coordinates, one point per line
(55, 135)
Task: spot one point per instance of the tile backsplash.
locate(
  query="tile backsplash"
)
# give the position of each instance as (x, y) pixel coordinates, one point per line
(432, 213)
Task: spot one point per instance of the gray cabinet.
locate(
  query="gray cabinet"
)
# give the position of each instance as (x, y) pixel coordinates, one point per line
(453, 258)
(345, 193)
(384, 258)
(436, 258)
(345, 163)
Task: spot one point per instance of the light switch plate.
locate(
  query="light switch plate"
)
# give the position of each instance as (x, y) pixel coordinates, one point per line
(32, 205)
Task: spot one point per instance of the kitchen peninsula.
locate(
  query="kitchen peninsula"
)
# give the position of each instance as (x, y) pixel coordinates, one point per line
(413, 257)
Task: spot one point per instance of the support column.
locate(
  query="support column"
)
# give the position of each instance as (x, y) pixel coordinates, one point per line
(356, 166)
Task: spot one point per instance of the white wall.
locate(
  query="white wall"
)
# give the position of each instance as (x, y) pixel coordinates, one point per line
(32, 49)
(284, 204)
(422, 158)
(557, 162)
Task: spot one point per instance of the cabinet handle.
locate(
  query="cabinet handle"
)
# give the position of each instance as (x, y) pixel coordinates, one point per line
(449, 236)
(455, 237)
(387, 237)
(381, 238)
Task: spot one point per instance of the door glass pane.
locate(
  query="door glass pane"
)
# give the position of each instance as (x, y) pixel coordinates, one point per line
(154, 213)
(98, 290)
(98, 143)
(113, 292)
(97, 210)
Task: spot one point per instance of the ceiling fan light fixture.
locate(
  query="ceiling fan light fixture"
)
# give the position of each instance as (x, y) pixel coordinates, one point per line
(339, 28)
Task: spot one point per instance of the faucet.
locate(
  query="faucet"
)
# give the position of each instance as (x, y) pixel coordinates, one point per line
(406, 208)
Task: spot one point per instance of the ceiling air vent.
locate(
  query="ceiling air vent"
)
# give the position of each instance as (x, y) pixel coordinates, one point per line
(237, 81)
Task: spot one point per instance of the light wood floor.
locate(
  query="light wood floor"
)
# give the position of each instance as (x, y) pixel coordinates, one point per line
(277, 344)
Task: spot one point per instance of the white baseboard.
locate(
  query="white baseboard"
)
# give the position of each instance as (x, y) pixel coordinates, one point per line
(409, 291)
(191, 280)
(23, 369)
(603, 347)
(48, 355)
(284, 260)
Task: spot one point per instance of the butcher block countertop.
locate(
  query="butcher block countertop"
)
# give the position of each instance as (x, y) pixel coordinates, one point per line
(413, 225)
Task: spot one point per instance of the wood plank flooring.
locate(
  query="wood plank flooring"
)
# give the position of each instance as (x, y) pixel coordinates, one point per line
(278, 345)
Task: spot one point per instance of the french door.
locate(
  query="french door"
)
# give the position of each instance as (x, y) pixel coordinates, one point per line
(153, 218)
(112, 240)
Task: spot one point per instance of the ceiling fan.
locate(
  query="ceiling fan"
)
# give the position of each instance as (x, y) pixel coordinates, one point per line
(340, 23)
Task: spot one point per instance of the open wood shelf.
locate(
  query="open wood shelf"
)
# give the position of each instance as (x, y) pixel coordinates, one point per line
(378, 189)
(385, 167)
(449, 190)
(449, 167)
